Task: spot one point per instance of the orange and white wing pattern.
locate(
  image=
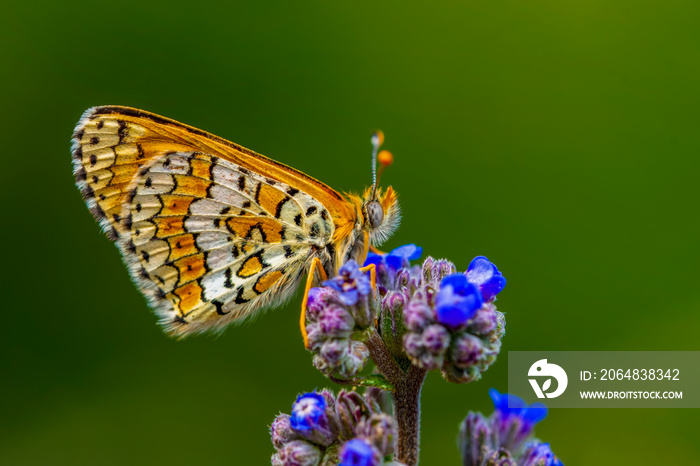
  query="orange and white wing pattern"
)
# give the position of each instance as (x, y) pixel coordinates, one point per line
(207, 238)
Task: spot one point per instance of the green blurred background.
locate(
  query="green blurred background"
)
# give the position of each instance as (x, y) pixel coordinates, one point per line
(560, 139)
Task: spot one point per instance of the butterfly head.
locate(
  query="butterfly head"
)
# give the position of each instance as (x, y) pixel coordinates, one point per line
(380, 208)
(381, 214)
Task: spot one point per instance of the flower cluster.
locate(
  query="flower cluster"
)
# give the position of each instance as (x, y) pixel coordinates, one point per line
(506, 437)
(432, 316)
(418, 318)
(322, 429)
(343, 305)
(452, 322)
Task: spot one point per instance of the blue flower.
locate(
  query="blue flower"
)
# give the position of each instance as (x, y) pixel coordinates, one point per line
(486, 276)
(359, 452)
(351, 283)
(308, 412)
(457, 301)
(396, 259)
(539, 454)
(514, 406)
(514, 420)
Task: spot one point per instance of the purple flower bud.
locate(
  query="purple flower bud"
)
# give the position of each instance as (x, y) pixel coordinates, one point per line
(403, 277)
(455, 374)
(335, 321)
(298, 453)
(281, 431)
(485, 321)
(354, 361)
(330, 404)
(310, 418)
(486, 276)
(539, 454)
(457, 301)
(429, 295)
(474, 439)
(335, 350)
(427, 269)
(316, 336)
(469, 356)
(436, 339)
(363, 312)
(416, 279)
(501, 457)
(444, 268)
(276, 460)
(321, 364)
(317, 299)
(381, 431)
(341, 357)
(418, 354)
(359, 452)
(421, 294)
(467, 350)
(434, 270)
(418, 315)
(351, 408)
(413, 344)
(430, 361)
(394, 301)
(391, 324)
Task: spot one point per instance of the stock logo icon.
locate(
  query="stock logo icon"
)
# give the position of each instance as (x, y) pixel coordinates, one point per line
(542, 369)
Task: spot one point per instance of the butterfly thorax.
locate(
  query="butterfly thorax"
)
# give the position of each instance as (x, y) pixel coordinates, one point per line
(354, 234)
(350, 239)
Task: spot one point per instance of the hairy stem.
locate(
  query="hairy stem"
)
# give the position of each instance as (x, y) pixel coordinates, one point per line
(383, 360)
(406, 394)
(407, 412)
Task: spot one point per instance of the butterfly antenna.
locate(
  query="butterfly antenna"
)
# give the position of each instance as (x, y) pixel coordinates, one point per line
(385, 159)
(377, 141)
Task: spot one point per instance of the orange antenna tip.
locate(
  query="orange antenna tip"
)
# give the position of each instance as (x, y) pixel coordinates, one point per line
(378, 138)
(385, 158)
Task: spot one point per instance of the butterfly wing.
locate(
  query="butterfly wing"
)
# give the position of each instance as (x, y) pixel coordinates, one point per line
(206, 239)
(111, 143)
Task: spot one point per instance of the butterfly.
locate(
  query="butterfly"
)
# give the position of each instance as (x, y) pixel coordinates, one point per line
(211, 232)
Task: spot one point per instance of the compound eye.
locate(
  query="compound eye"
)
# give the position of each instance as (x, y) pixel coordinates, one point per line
(375, 213)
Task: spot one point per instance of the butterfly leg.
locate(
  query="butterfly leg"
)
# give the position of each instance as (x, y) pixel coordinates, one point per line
(372, 274)
(315, 265)
(372, 278)
(376, 251)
